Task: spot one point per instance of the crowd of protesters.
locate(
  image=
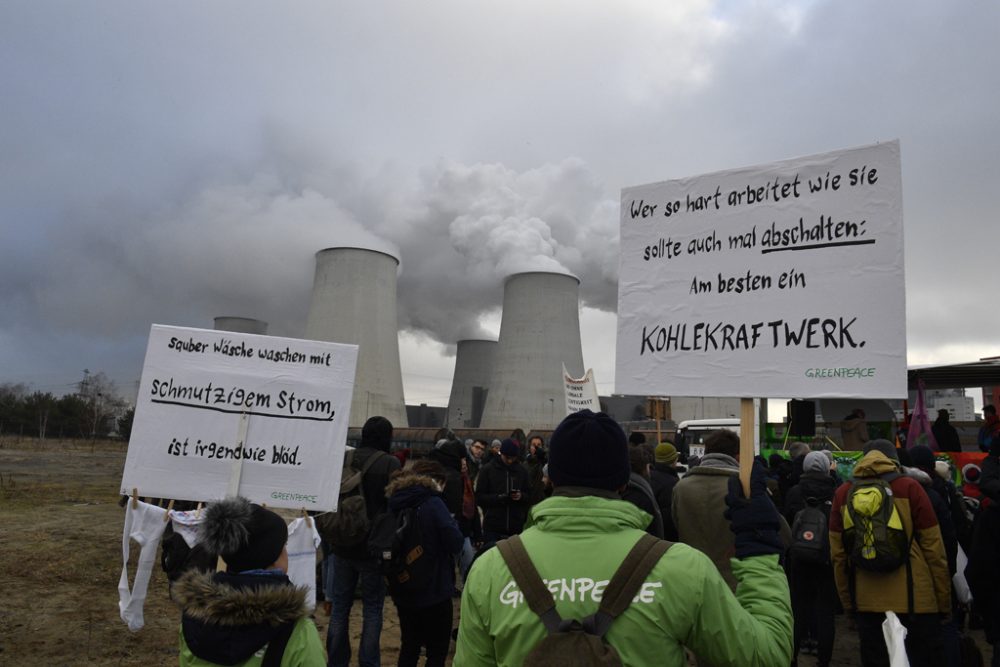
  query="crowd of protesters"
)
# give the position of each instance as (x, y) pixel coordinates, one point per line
(731, 591)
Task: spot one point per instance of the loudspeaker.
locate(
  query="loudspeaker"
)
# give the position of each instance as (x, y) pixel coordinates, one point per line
(802, 417)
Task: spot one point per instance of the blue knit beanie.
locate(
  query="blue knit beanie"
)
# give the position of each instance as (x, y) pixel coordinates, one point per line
(589, 449)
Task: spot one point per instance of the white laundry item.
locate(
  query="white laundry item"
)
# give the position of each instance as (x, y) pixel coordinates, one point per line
(186, 524)
(303, 540)
(145, 524)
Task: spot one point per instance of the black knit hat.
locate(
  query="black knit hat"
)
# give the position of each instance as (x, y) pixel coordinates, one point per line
(589, 449)
(922, 457)
(377, 433)
(509, 448)
(247, 536)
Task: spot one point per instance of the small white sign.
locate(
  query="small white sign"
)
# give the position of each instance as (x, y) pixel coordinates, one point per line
(783, 279)
(221, 412)
(581, 393)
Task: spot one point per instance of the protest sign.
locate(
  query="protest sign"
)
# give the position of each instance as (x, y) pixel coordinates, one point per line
(221, 412)
(777, 280)
(581, 394)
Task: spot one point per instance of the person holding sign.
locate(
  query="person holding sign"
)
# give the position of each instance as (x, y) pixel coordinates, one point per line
(250, 614)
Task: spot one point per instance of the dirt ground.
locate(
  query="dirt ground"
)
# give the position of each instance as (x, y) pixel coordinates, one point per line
(61, 556)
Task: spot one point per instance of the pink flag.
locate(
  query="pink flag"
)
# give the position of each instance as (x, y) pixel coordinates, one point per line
(920, 426)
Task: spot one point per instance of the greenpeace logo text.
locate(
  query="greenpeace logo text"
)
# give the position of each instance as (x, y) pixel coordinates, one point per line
(582, 588)
(840, 372)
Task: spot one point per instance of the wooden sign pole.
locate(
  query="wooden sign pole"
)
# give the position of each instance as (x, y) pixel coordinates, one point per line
(747, 424)
(659, 415)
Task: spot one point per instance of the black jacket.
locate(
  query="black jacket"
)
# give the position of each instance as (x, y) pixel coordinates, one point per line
(818, 485)
(496, 481)
(821, 486)
(373, 486)
(441, 538)
(640, 493)
(946, 436)
(663, 478)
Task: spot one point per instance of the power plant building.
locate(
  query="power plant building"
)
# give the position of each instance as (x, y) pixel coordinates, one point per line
(471, 382)
(539, 332)
(354, 301)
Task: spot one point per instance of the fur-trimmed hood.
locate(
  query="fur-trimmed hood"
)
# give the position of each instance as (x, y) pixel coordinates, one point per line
(406, 479)
(229, 617)
(410, 490)
(919, 475)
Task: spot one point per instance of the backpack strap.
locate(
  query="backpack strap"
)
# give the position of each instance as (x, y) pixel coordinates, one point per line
(627, 580)
(624, 584)
(370, 461)
(538, 597)
(276, 647)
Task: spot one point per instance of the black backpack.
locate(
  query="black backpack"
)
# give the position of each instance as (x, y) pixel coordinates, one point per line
(572, 642)
(811, 533)
(348, 526)
(396, 543)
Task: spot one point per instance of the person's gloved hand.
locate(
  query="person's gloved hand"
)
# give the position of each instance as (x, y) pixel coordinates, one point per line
(755, 520)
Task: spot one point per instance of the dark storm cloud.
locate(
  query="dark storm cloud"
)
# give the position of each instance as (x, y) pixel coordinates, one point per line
(171, 163)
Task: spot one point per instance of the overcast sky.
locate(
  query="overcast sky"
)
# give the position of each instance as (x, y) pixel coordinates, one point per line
(175, 161)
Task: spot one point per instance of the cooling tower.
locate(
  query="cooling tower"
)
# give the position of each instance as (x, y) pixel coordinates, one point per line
(354, 301)
(470, 386)
(241, 325)
(539, 332)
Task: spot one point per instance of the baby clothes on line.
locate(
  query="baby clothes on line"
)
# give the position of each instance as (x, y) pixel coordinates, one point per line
(186, 525)
(303, 540)
(145, 524)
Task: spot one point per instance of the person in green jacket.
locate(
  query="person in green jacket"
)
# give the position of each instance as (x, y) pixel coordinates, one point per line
(577, 539)
(251, 614)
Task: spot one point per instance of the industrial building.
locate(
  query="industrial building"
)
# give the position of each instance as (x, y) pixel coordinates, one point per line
(539, 333)
(354, 301)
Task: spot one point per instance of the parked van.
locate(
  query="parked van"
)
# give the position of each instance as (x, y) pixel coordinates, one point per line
(691, 433)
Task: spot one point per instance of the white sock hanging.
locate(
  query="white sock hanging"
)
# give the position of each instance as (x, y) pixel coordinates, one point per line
(145, 524)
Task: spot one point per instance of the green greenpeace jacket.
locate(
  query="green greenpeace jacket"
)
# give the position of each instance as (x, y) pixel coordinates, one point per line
(577, 544)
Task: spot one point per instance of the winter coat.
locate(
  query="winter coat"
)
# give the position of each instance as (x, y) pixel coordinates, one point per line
(441, 538)
(989, 481)
(946, 436)
(534, 465)
(577, 544)
(229, 619)
(373, 486)
(453, 486)
(698, 511)
(496, 481)
(821, 486)
(663, 478)
(790, 477)
(887, 591)
(942, 510)
(988, 432)
(854, 433)
(818, 485)
(983, 573)
(640, 493)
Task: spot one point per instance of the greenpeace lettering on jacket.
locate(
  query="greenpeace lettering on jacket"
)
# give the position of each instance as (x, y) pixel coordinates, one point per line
(580, 588)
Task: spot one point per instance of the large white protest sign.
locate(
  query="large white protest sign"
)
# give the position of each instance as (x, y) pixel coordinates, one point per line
(219, 412)
(778, 280)
(581, 393)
